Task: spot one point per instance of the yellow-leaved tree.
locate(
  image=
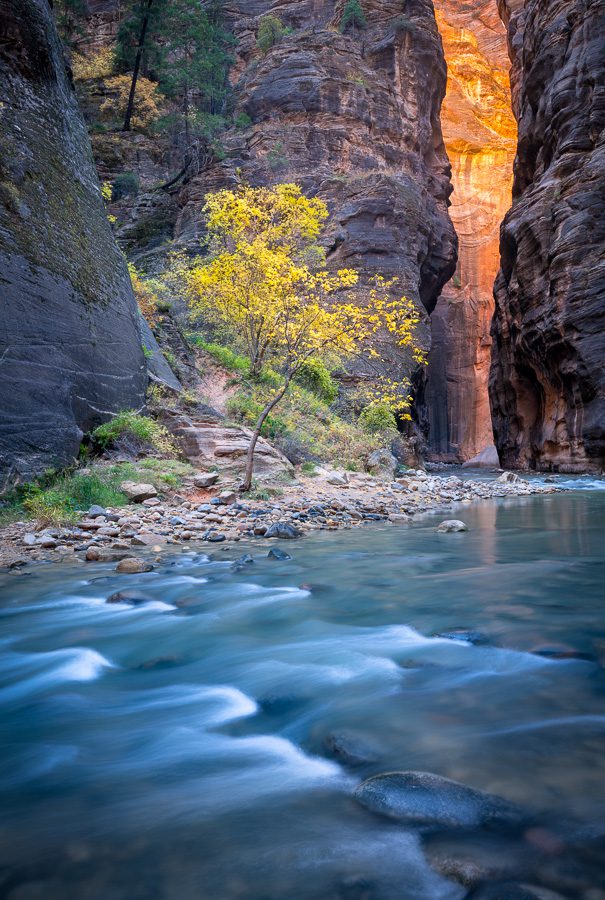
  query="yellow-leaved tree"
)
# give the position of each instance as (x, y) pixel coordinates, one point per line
(265, 283)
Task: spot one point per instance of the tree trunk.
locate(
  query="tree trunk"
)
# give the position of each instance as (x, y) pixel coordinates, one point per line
(137, 66)
(247, 482)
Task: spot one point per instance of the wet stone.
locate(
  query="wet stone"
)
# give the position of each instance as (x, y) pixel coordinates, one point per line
(135, 598)
(283, 530)
(450, 526)
(132, 566)
(276, 553)
(428, 800)
(351, 748)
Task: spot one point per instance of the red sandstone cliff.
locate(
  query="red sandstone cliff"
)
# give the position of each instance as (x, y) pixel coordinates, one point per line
(480, 137)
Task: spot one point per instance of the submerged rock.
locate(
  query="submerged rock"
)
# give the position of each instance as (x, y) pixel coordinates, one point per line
(276, 553)
(242, 562)
(425, 799)
(350, 748)
(512, 890)
(465, 635)
(132, 566)
(479, 858)
(135, 598)
(451, 525)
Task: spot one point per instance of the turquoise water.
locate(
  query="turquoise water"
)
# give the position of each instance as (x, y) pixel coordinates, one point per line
(179, 749)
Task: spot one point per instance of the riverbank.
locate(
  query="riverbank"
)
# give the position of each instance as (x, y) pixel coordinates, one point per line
(329, 500)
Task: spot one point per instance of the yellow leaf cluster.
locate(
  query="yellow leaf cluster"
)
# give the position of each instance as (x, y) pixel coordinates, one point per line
(264, 282)
(145, 296)
(147, 101)
(89, 68)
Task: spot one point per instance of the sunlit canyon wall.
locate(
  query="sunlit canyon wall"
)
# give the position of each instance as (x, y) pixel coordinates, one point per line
(479, 130)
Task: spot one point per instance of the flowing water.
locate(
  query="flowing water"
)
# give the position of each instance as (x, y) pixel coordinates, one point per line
(177, 749)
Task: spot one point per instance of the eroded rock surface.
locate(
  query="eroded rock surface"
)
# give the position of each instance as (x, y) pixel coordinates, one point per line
(210, 444)
(70, 347)
(354, 118)
(547, 380)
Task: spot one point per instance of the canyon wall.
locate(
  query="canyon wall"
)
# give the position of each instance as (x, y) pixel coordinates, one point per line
(479, 130)
(354, 118)
(70, 347)
(547, 384)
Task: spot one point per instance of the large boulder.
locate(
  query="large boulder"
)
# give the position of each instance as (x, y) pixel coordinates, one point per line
(382, 463)
(210, 444)
(70, 344)
(425, 799)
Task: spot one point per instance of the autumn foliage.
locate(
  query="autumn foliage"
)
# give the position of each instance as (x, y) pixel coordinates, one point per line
(265, 283)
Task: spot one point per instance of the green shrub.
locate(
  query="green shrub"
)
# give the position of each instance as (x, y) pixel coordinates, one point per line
(353, 16)
(131, 425)
(276, 157)
(377, 418)
(270, 32)
(245, 409)
(125, 185)
(223, 355)
(171, 359)
(308, 468)
(314, 376)
(57, 502)
(242, 121)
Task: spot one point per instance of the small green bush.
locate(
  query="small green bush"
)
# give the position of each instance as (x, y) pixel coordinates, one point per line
(314, 376)
(353, 16)
(270, 32)
(56, 501)
(308, 468)
(223, 355)
(242, 121)
(377, 418)
(130, 424)
(125, 185)
(246, 410)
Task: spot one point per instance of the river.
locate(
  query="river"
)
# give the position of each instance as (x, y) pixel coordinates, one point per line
(184, 747)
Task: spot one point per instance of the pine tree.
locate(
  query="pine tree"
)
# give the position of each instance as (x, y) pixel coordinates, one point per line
(185, 48)
(353, 16)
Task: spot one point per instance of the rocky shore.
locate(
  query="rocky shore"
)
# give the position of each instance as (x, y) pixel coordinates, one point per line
(210, 511)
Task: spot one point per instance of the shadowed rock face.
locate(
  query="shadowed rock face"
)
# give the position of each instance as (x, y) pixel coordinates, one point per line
(479, 130)
(70, 348)
(547, 385)
(355, 119)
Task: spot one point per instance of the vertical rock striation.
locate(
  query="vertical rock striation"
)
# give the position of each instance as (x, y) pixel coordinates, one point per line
(354, 118)
(547, 385)
(70, 347)
(479, 130)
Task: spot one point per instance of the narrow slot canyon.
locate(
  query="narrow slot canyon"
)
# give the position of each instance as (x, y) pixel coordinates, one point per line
(480, 135)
